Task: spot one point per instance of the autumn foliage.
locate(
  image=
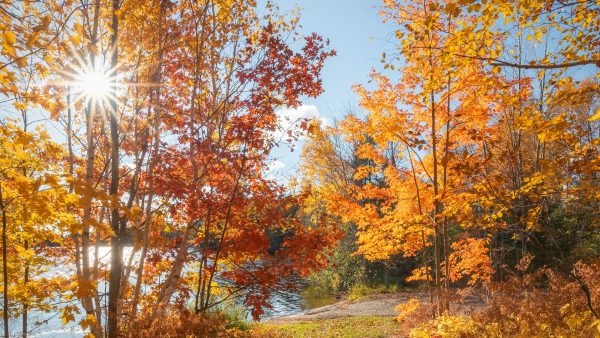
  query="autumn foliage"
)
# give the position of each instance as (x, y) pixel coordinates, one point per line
(473, 163)
(475, 157)
(168, 158)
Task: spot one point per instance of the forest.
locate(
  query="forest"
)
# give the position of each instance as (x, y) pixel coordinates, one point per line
(457, 195)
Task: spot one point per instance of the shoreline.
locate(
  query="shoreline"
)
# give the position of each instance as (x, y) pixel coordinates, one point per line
(377, 305)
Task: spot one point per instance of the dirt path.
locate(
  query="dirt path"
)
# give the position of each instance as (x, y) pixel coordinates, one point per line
(377, 305)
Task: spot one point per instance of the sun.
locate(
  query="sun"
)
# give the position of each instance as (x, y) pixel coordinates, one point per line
(91, 81)
(95, 84)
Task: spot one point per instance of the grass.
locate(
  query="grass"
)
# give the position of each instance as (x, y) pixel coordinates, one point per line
(348, 327)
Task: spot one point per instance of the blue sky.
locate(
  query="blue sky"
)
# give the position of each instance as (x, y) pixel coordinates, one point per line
(357, 33)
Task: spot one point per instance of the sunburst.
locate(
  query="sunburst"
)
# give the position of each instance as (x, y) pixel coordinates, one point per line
(95, 84)
(91, 81)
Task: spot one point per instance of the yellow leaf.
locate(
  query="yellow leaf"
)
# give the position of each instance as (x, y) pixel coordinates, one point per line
(88, 321)
(405, 309)
(9, 37)
(596, 115)
(538, 36)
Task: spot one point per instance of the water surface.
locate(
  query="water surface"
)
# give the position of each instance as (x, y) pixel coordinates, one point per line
(49, 325)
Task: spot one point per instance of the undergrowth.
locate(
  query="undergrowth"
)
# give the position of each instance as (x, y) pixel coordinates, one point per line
(361, 291)
(546, 303)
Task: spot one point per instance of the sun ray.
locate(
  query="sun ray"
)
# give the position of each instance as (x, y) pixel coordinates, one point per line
(90, 80)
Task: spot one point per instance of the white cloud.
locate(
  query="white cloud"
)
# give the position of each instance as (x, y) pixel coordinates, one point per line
(287, 156)
(276, 165)
(275, 170)
(290, 118)
(326, 121)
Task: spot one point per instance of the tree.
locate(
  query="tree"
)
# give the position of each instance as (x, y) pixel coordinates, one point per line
(224, 126)
(571, 27)
(207, 115)
(32, 202)
(426, 131)
(459, 156)
(328, 165)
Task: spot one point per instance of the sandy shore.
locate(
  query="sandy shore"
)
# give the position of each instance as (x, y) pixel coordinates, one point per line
(376, 305)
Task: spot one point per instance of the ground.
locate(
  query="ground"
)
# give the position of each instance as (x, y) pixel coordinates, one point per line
(345, 327)
(370, 317)
(375, 306)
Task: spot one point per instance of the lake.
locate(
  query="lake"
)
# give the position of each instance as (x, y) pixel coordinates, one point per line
(49, 325)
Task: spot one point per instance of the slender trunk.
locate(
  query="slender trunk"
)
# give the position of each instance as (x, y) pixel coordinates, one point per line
(170, 283)
(444, 183)
(436, 211)
(203, 281)
(26, 246)
(223, 233)
(144, 252)
(437, 236)
(156, 80)
(192, 147)
(4, 265)
(133, 193)
(200, 287)
(96, 266)
(86, 300)
(83, 251)
(424, 242)
(25, 305)
(168, 287)
(436, 202)
(116, 259)
(201, 278)
(71, 175)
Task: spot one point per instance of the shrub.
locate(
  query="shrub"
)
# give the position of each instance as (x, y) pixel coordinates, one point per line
(360, 291)
(447, 326)
(182, 323)
(547, 303)
(391, 288)
(234, 315)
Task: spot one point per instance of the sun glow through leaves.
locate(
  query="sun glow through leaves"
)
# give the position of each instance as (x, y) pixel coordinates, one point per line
(95, 84)
(90, 81)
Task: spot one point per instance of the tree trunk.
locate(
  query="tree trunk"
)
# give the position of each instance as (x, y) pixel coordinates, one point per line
(169, 285)
(446, 240)
(25, 305)
(425, 254)
(26, 246)
(223, 233)
(436, 206)
(156, 79)
(84, 250)
(116, 259)
(4, 265)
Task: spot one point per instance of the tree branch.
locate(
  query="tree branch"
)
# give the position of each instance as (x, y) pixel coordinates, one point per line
(501, 63)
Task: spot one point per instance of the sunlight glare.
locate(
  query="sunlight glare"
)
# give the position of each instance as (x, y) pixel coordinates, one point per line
(95, 85)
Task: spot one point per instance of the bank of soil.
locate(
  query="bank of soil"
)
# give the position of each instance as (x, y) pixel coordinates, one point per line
(380, 305)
